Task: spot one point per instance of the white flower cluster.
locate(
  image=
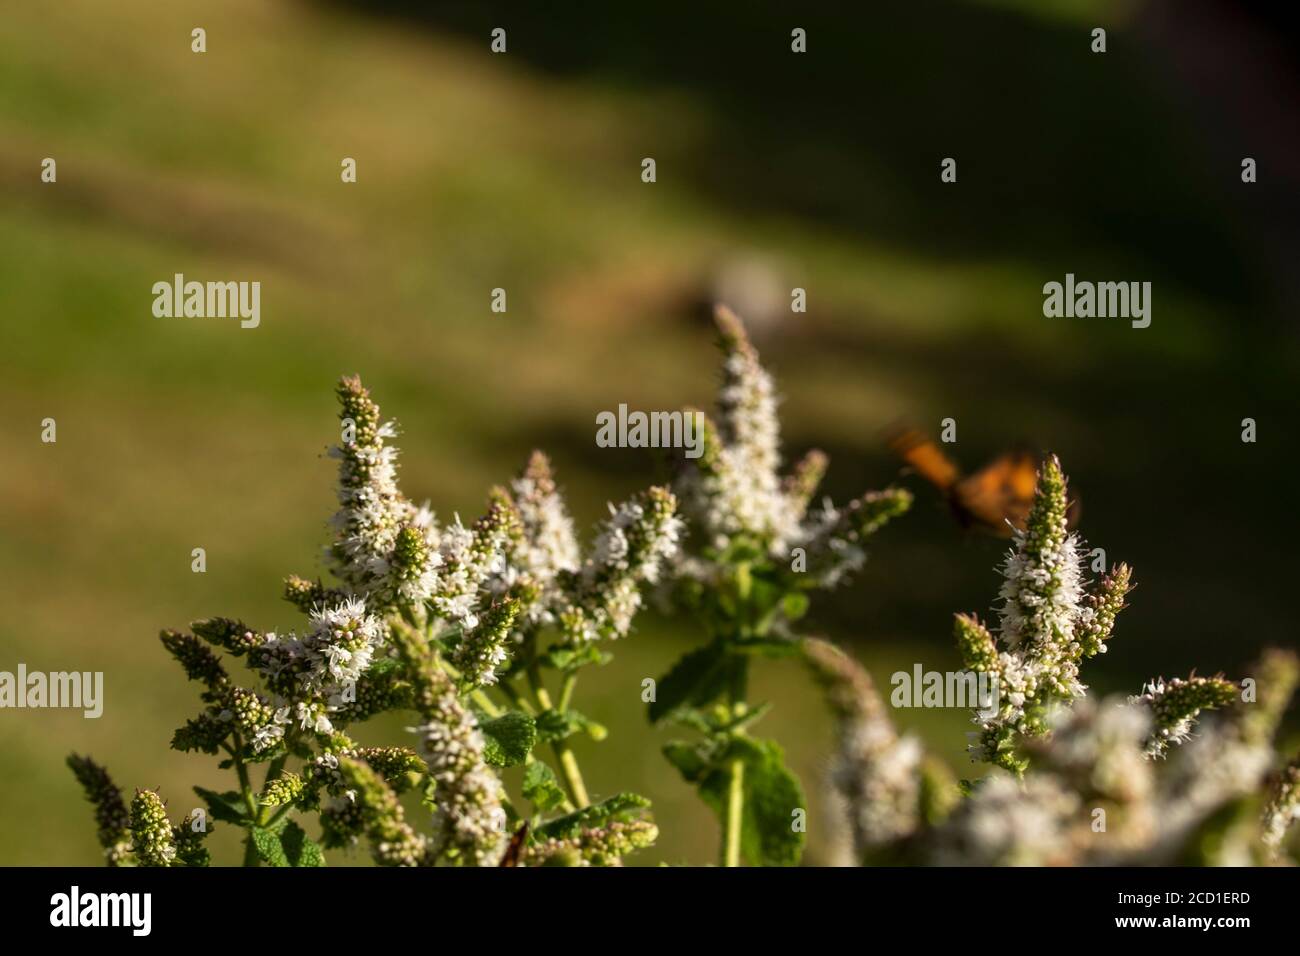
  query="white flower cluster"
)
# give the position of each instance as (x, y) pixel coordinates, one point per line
(468, 559)
(1097, 759)
(387, 549)
(875, 773)
(372, 508)
(1048, 623)
(630, 550)
(544, 569)
(470, 822)
(735, 493)
(312, 673)
(547, 549)
(1010, 823)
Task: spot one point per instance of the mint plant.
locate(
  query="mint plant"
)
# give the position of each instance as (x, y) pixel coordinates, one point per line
(1185, 772)
(479, 635)
(757, 547)
(469, 628)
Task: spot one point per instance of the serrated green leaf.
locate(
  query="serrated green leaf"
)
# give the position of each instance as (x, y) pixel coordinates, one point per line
(696, 680)
(268, 846)
(541, 788)
(621, 807)
(228, 806)
(300, 849)
(772, 794)
(508, 739)
(553, 725)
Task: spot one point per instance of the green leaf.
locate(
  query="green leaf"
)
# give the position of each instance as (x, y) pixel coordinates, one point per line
(228, 806)
(300, 849)
(553, 725)
(541, 788)
(767, 646)
(691, 760)
(697, 679)
(772, 794)
(268, 846)
(508, 739)
(570, 657)
(621, 808)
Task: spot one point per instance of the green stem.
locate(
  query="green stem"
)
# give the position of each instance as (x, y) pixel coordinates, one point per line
(486, 702)
(563, 754)
(250, 801)
(735, 813)
(566, 690)
(734, 810)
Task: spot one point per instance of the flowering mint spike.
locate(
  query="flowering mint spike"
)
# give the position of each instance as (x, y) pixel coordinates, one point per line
(1046, 626)
(748, 398)
(733, 488)
(394, 764)
(199, 662)
(978, 650)
(875, 509)
(1175, 705)
(1276, 674)
(834, 536)
(546, 549)
(283, 790)
(392, 841)
(631, 549)
(204, 733)
(151, 834)
(307, 596)
(232, 636)
(465, 794)
(188, 836)
(734, 497)
(801, 484)
(111, 815)
(372, 508)
(1100, 610)
(258, 721)
(480, 652)
(1043, 586)
(595, 846)
(1282, 810)
(470, 557)
(876, 772)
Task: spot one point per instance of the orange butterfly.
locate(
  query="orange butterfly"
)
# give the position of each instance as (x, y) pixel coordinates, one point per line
(993, 499)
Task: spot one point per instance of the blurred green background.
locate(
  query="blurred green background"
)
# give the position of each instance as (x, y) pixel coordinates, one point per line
(522, 171)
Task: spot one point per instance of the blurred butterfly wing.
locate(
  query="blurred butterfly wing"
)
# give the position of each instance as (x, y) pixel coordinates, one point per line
(925, 458)
(1001, 492)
